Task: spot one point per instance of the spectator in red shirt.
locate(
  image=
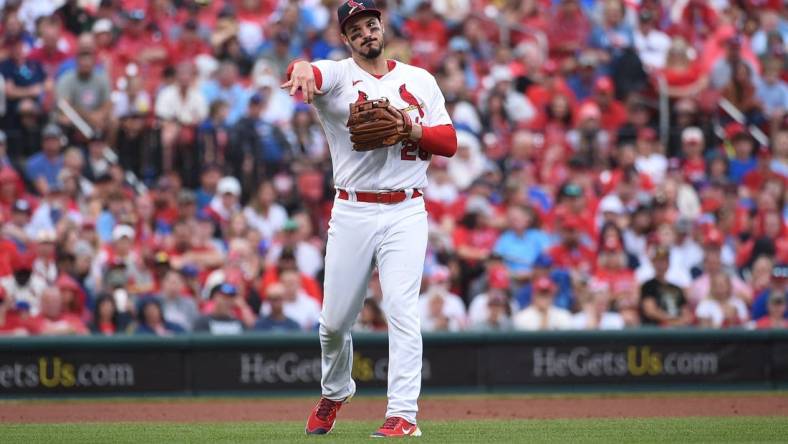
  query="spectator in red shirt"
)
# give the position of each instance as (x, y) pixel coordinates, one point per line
(567, 29)
(10, 321)
(54, 49)
(287, 261)
(53, 319)
(572, 253)
(189, 45)
(145, 49)
(614, 114)
(428, 37)
(693, 164)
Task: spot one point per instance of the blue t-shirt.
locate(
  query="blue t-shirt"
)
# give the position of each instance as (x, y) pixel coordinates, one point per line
(268, 324)
(520, 251)
(40, 165)
(563, 295)
(236, 97)
(737, 169)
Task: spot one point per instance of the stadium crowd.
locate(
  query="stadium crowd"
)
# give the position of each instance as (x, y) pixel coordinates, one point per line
(620, 164)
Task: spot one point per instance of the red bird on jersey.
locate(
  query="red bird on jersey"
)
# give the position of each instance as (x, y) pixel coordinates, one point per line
(410, 99)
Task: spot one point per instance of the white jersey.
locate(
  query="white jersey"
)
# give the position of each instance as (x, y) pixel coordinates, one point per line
(398, 167)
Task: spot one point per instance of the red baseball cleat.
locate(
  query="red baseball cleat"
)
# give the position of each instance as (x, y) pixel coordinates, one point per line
(323, 416)
(396, 427)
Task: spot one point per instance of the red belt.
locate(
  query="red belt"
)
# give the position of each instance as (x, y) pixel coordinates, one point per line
(386, 197)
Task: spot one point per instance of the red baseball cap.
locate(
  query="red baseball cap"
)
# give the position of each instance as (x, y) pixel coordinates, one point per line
(23, 261)
(543, 284)
(713, 237)
(647, 133)
(499, 278)
(604, 84)
(733, 129)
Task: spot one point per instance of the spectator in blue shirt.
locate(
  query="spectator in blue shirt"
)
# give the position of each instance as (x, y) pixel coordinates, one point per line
(24, 79)
(772, 91)
(563, 283)
(520, 245)
(743, 162)
(44, 167)
(276, 320)
(226, 87)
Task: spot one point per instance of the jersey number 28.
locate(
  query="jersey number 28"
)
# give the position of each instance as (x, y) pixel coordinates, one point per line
(411, 151)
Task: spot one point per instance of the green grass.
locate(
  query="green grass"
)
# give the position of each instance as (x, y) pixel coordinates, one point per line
(695, 430)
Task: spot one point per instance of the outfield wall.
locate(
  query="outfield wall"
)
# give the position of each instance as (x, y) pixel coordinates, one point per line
(485, 362)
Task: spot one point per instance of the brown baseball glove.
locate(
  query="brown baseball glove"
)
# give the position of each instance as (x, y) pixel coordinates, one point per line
(375, 124)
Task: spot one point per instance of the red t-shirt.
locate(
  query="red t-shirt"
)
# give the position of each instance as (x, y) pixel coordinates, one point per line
(427, 41)
(309, 285)
(13, 324)
(581, 257)
(39, 324)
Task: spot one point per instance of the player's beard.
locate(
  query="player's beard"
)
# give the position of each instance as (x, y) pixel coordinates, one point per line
(372, 52)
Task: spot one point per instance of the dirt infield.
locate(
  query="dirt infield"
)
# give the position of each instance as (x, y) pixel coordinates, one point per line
(202, 410)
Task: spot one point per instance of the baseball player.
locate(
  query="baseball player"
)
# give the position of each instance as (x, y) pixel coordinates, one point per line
(383, 120)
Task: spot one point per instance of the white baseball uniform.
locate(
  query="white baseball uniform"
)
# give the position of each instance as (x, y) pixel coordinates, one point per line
(360, 234)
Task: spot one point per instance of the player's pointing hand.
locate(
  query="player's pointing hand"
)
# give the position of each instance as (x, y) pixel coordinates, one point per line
(303, 78)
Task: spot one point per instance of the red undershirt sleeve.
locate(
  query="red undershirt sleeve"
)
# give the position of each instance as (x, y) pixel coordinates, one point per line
(440, 140)
(315, 70)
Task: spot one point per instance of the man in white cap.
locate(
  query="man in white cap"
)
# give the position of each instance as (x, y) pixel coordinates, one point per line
(226, 201)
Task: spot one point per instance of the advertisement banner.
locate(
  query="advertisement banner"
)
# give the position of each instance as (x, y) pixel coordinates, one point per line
(622, 363)
(265, 364)
(76, 372)
(299, 368)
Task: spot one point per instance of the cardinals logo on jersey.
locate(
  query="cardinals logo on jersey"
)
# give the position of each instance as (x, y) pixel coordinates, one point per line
(411, 100)
(362, 97)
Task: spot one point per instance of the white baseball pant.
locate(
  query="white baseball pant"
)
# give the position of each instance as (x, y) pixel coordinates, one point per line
(394, 236)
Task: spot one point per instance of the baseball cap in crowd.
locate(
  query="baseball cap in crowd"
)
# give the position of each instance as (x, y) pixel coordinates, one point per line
(229, 185)
(440, 274)
(459, 44)
(543, 284)
(776, 297)
(136, 15)
(290, 225)
(121, 231)
(21, 206)
(187, 197)
(51, 130)
(604, 85)
(498, 278)
(102, 25)
(660, 253)
(735, 131)
(227, 289)
(713, 237)
(646, 15)
(543, 261)
(46, 236)
(23, 262)
(692, 134)
(647, 133)
(352, 8)
(572, 190)
(611, 205)
(589, 110)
